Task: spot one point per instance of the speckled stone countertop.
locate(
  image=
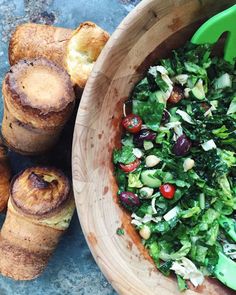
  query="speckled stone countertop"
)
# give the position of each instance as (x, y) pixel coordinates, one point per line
(72, 269)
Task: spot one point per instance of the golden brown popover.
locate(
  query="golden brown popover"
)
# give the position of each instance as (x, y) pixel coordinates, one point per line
(76, 50)
(40, 209)
(38, 100)
(5, 175)
(32, 40)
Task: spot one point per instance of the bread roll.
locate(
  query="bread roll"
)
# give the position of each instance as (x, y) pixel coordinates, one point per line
(40, 208)
(38, 100)
(35, 40)
(5, 175)
(76, 50)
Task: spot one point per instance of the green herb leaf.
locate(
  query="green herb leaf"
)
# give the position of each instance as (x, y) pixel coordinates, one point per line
(120, 231)
(124, 155)
(150, 112)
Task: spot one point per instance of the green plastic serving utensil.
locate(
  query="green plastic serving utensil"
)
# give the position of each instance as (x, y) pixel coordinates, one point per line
(209, 33)
(225, 270)
(211, 30)
(228, 224)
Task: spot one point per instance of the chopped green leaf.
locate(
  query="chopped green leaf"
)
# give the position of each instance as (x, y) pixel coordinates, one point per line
(134, 180)
(181, 283)
(150, 112)
(120, 231)
(124, 155)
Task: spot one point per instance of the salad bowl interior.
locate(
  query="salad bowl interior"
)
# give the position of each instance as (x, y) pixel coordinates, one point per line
(147, 34)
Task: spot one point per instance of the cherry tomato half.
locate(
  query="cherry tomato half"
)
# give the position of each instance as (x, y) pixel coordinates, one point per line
(167, 190)
(132, 123)
(131, 166)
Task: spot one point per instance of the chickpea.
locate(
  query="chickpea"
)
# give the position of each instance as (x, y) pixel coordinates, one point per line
(145, 232)
(152, 161)
(146, 192)
(188, 164)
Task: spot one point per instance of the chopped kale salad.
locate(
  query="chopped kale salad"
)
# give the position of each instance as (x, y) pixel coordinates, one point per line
(176, 167)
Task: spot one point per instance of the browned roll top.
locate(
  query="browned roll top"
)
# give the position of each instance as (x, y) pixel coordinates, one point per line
(39, 191)
(38, 101)
(30, 39)
(38, 89)
(40, 208)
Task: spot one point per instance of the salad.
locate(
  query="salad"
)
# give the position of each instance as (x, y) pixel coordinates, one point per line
(176, 167)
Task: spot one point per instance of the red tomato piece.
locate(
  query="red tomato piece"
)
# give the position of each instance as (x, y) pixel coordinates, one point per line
(132, 123)
(131, 166)
(167, 190)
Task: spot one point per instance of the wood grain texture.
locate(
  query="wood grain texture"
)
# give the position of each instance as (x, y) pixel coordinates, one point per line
(149, 32)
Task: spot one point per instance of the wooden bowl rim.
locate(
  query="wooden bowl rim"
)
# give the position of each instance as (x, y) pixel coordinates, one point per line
(99, 70)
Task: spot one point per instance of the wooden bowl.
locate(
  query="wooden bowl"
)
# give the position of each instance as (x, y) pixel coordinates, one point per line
(149, 32)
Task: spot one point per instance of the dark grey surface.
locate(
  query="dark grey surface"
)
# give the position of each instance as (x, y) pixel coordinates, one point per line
(72, 269)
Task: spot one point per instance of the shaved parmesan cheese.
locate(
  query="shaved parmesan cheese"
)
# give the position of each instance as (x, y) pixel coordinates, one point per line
(223, 81)
(174, 124)
(175, 137)
(147, 218)
(185, 116)
(138, 153)
(156, 219)
(152, 71)
(209, 145)
(162, 70)
(135, 216)
(186, 92)
(232, 107)
(136, 222)
(198, 90)
(164, 75)
(214, 103)
(182, 79)
(153, 205)
(178, 130)
(187, 269)
(172, 213)
(209, 111)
